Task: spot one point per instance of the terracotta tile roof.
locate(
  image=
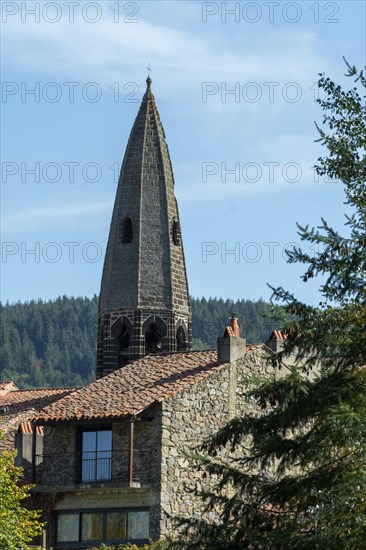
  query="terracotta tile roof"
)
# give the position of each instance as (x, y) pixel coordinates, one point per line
(254, 347)
(19, 407)
(132, 388)
(19, 400)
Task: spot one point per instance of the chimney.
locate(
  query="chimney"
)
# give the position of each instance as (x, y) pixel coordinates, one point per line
(231, 347)
(7, 387)
(276, 341)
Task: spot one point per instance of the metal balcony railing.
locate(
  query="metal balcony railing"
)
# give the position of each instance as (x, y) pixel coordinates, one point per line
(67, 469)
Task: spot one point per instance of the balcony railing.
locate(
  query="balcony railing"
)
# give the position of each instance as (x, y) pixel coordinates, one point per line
(68, 469)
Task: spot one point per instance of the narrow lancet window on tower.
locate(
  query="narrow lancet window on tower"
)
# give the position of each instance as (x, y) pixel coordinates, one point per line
(126, 230)
(176, 233)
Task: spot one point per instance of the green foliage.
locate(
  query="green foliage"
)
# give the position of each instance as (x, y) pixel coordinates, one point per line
(301, 482)
(18, 526)
(49, 343)
(197, 344)
(209, 318)
(161, 544)
(54, 343)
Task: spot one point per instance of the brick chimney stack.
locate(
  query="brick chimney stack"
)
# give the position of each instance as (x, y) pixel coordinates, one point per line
(276, 341)
(231, 347)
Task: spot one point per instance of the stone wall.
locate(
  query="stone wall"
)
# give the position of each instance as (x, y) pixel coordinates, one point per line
(61, 441)
(147, 443)
(188, 418)
(166, 430)
(59, 456)
(149, 272)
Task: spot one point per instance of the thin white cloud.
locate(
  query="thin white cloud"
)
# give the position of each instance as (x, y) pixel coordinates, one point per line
(246, 179)
(49, 216)
(277, 163)
(107, 52)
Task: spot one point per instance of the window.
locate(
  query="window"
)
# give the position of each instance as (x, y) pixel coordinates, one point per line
(176, 233)
(91, 526)
(97, 526)
(96, 455)
(121, 330)
(68, 527)
(123, 339)
(181, 340)
(116, 526)
(138, 525)
(153, 339)
(126, 230)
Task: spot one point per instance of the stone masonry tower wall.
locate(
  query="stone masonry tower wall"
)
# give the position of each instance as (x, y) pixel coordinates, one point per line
(144, 301)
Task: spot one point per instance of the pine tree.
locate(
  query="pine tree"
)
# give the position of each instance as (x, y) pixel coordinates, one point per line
(302, 483)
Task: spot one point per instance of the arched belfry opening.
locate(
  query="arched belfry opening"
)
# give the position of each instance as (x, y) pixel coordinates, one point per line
(181, 339)
(121, 332)
(154, 330)
(153, 339)
(126, 230)
(123, 339)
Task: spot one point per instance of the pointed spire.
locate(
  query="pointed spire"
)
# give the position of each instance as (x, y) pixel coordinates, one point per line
(144, 298)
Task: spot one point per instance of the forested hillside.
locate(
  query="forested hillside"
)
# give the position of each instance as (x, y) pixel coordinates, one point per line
(54, 343)
(209, 318)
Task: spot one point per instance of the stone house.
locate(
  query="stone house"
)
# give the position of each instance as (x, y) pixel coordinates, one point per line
(108, 459)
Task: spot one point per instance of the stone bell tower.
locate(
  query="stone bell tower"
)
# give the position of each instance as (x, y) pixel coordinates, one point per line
(144, 301)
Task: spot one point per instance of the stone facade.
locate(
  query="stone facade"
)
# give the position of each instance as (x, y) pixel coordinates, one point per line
(163, 433)
(59, 483)
(202, 409)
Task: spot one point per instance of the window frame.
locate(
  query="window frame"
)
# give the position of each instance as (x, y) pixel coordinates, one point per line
(81, 431)
(104, 512)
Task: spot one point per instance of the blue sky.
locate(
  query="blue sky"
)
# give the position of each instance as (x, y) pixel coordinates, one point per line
(234, 83)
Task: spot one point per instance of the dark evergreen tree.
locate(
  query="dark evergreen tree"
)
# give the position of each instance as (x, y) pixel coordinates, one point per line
(302, 483)
(209, 318)
(54, 343)
(49, 343)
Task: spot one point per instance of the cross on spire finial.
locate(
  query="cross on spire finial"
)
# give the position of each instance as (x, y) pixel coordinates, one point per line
(148, 80)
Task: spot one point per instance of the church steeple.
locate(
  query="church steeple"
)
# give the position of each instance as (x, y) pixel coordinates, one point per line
(144, 301)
